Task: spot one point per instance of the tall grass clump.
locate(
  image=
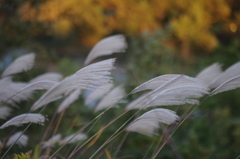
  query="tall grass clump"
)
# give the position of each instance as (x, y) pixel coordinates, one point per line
(104, 122)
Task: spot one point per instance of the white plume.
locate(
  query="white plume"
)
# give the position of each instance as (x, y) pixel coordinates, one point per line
(177, 91)
(50, 143)
(149, 121)
(145, 127)
(139, 103)
(159, 81)
(39, 85)
(78, 137)
(107, 46)
(172, 96)
(4, 112)
(23, 119)
(98, 93)
(210, 73)
(50, 76)
(9, 91)
(87, 78)
(111, 98)
(69, 100)
(229, 73)
(22, 141)
(23, 63)
(230, 84)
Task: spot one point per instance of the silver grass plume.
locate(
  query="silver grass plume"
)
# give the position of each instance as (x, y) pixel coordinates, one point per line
(177, 96)
(159, 81)
(70, 139)
(23, 119)
(107, 46)
(111, 98)
(209, 73)
(22, 141)
(50, 142)
(139, 102)
(230, 84)
(145, 127)
(22, 63)
(4, 112)
(176, 91)
(229, 73)
(154, 83)
(69, 100)
(149, 121)
(98, 93)
(87, 78)
(171, 96)
(50, 76)
(9, 91)
(39, 85)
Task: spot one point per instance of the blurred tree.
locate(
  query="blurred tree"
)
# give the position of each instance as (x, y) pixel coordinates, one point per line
(195, 23)
(14, 32)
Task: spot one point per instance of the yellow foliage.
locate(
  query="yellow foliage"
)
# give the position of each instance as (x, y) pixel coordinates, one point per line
(195, 23)
(94, 19)
(26, 155)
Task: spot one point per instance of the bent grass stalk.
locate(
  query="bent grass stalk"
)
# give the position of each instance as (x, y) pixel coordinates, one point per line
(71, 138)
(165, 130)
(120, 145)
(86, 133)
(47, 130)
(21, 134)
(84, 128)
(102, 129)
(160, 140)
(108, 125)
(112, 136)
(162, 145)
(55, 130)
(148, 150)
(16, 141)
(102, 152)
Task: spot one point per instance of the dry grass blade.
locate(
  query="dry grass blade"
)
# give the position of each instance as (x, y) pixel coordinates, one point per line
(231, 84)
(21, 64)
(23, 119)
(209, 73)
(4, 112)
(98, 93)
(149, 121)
(229, 73)
(111, 98)
(21, 139)
(107, 46)
(87, 78)
(69, 100)
(50, 76)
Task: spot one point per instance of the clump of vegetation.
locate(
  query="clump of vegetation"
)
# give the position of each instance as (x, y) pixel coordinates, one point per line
(85, 133)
